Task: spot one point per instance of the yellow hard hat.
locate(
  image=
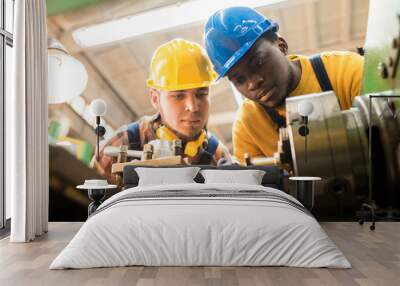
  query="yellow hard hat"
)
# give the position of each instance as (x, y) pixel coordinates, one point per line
(179, 65)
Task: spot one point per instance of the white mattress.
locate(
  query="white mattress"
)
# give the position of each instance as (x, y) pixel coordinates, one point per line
(185, 230)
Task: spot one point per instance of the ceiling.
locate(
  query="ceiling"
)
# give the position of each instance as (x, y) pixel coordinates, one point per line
(117, 72)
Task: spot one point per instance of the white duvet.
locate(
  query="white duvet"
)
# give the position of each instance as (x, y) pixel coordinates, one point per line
(188, 230)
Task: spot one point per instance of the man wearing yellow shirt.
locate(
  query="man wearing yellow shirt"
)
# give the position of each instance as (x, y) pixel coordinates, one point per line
(245, 46)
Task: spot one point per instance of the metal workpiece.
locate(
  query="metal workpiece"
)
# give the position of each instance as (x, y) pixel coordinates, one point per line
(336, 150)
(113, 151)
(280, 158)
(358, 149)
(267, 161)
(384, 140)
(328, 143)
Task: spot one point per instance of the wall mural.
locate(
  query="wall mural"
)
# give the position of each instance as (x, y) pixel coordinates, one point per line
(237, 90)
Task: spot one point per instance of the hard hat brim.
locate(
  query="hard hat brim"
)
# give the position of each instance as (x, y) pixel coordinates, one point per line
(243, 50)
(150, 83)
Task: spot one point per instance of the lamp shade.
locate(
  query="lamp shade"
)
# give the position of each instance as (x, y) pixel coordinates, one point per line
(67, 77)
(98, 107)
(305, 108)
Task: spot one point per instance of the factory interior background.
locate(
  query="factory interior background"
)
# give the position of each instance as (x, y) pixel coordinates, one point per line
(117, 73)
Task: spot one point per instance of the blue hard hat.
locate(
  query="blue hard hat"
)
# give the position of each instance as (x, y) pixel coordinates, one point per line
(231, 32)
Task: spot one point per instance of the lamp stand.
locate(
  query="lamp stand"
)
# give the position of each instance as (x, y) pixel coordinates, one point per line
(100, 131)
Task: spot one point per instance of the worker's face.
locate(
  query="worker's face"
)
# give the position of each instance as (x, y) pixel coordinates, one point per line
(184, 111)
(263, 74)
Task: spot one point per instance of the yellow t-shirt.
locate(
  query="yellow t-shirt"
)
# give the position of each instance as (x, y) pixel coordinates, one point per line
(255, 133)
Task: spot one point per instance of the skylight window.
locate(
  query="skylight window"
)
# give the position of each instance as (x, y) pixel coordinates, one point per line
(158, 19)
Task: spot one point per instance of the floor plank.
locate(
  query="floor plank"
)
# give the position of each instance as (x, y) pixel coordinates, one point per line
(374, 255)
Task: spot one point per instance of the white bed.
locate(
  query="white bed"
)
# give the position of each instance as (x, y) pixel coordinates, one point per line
(201, 224)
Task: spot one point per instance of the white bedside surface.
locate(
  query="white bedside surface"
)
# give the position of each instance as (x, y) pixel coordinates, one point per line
(305, 178)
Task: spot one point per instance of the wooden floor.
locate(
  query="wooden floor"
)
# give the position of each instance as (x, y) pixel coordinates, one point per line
(375, 256)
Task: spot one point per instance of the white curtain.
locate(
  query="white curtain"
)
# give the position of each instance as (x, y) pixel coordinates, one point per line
(26, 124)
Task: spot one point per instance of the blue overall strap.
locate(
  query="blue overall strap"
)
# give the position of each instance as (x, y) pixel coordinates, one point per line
(320, 72)
(134, 135)
(212, 145)
(279, 120)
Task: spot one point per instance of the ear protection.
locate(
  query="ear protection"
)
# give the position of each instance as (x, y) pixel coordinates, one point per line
(191, 148)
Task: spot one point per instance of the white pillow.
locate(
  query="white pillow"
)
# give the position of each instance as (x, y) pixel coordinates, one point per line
(248, 177)
(163, 176)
